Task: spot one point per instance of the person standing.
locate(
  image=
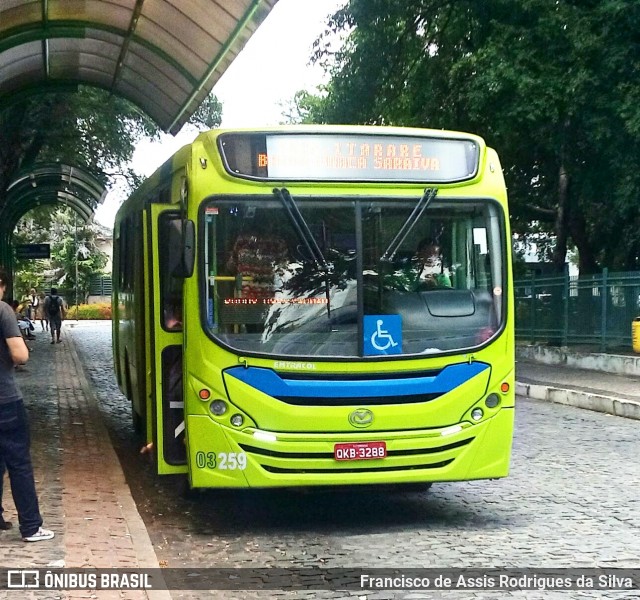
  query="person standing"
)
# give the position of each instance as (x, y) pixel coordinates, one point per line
(32, 307)
(54, 309)
(4, 525)
(40, 314)
(15, 453)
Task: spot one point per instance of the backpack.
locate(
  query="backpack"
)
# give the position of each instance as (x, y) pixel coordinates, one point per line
(53, 306)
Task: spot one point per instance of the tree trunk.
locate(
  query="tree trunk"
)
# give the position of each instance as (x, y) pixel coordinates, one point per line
(561, 223)
(587, 263)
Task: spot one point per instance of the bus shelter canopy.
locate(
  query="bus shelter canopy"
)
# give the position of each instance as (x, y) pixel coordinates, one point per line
(163, 55)
(48, 184)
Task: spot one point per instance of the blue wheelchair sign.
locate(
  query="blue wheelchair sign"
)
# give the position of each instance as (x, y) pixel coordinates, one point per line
(382, 334)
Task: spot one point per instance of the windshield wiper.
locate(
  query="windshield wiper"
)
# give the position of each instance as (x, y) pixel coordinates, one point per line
(302, 228)
(389, 254)
(305, 234)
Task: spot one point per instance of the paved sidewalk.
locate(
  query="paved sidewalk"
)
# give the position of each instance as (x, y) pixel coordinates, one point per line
(597, 381)
(83, 494)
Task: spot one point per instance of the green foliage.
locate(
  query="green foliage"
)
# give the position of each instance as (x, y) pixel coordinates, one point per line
(89, 128)
(84, 312)
(208, 115)
(519, 264)
(304, 108)
(552, 86)
(68, 237)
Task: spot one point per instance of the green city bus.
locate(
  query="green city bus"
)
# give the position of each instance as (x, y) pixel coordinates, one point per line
(277, 322)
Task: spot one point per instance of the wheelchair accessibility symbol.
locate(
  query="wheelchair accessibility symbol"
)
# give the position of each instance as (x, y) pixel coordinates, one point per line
(381, 338)
(382, 334)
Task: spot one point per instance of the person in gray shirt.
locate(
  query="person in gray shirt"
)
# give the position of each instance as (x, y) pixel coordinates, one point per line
(15, 452)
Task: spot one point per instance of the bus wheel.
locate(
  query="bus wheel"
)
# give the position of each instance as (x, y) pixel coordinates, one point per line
(136, 419)
(184, 489)
(138, 423)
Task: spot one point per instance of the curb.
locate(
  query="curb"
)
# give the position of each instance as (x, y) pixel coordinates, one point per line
(140, 539)
(596, 402)
(620, 364)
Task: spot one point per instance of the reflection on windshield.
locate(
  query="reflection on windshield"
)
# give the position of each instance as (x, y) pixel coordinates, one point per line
(312, 301)
(272, 290)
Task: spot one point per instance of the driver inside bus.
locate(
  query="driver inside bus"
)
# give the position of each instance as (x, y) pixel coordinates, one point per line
(428, 265)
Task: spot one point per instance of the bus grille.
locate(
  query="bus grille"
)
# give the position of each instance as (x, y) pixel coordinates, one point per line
(329, 465)
(368, 400)
(437, 465)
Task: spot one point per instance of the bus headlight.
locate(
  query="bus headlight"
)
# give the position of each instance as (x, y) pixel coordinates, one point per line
(476, 414)
(237, 420)
(218, 407)
(492, 400)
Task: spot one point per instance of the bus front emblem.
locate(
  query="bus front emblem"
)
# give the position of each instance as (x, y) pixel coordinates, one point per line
(361, 417)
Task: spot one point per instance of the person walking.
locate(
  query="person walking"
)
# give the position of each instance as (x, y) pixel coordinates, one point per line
(54, 309)
(15, 454)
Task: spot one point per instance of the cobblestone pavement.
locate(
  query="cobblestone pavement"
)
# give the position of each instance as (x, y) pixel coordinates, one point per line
(83, 496)
(571, 501)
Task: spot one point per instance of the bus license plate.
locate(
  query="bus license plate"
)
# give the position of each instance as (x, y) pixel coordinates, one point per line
(360, 450)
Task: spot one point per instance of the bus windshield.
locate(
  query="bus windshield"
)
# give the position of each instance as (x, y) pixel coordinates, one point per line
(331, 277)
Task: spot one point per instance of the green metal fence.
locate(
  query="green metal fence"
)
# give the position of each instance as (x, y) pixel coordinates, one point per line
(100, 285)
(593, 310)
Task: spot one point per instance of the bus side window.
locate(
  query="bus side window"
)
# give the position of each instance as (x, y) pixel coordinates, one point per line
(170, 255)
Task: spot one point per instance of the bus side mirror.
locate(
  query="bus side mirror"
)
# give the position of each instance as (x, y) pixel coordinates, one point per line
(188, 247)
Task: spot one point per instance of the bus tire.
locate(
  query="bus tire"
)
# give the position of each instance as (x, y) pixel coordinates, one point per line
(184, 488)
(136, 419)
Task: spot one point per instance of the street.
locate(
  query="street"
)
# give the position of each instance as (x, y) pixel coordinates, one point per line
(571, 501)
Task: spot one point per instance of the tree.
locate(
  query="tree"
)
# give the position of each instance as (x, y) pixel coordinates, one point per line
(72, 243)
(305, 107)
(208, 115)
(89, 128)
(551, 85)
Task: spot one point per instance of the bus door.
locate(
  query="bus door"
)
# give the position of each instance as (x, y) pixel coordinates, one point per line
(165, 333)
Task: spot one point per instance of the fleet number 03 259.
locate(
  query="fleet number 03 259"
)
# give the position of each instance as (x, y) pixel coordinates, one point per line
(224, 461)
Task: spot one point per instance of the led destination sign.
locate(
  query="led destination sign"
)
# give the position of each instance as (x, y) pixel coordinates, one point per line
(336, 157)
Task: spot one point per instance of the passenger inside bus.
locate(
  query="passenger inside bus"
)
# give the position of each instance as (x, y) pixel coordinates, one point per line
(256, 258)
(172, 312)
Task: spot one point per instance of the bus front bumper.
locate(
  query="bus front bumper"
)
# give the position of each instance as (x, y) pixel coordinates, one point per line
(221, 457)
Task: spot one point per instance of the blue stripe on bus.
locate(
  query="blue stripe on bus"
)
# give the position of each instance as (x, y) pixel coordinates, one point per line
(271, 383)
